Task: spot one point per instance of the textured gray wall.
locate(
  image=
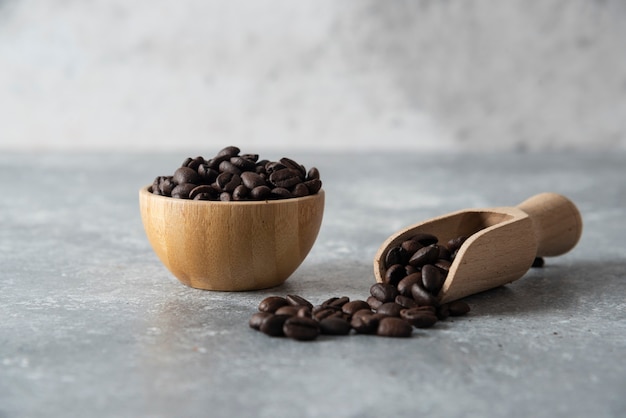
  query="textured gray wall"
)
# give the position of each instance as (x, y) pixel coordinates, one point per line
(324, 74)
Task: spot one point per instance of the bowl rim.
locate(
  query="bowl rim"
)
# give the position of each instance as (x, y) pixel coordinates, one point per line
(144, 191)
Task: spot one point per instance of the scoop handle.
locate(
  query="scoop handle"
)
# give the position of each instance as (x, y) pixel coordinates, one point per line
(556, 221)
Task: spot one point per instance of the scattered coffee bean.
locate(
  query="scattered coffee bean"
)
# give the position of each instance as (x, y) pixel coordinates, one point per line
(384, 292)
(419, 318)
(273, 325)
(272, 303)
(394, 327)
(257, 319)
(335, 326)
(458, 308)
(353, 306)
(296, 300)
(299, 328)
(390, 309)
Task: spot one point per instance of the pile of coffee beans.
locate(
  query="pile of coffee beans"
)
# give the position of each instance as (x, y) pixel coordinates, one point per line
(408, 298)
(232, 176)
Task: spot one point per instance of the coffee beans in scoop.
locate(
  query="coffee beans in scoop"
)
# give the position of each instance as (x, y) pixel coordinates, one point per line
(233, 176)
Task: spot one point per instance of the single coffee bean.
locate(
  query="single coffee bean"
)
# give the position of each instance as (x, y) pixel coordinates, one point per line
(273, 325)
(225, 197)
(252, 180)
(287, 310)
(296, 300)
(182, 190)
(335, 326)
(390, 309)
(302, 329)
(289, 163)
(455, 243)
(404, 286)
(242, 163)
(280, 193)
(426, 255)
(272, 303)
(419, 318)
(421, 295)
(361, 312)
(313, 174)
(394, 274)
(425, 239)
(384, 292)
(313, 185)
(394, 327)
(373, 302)
(411, 246)
(458, 308)
(285, 178)
(396, 255)
(227, 167)
(432, 279)
(300, 190)
(366, 324)
(210, 191)
(354, 305)
(406, 302)
(229, 151)
(257, 319)
(326, 312)
(241, 192)
(336, 301)
(186, 175)
(260, 193)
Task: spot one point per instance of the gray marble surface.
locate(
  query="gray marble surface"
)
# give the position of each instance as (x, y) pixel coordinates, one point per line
(93, 325)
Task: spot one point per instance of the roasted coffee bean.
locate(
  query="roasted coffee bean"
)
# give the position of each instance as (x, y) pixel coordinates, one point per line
(227, 167)
(234, 182)
(366, 324)
(354, 305)
(273, 325)
(335, 326)
(280, 193)
(285, 178)
(260, 193)
(186, 175)
(432, 279)
(404, 286)
(289, 163)
(421, 295)
(304, 311)
(313, 174)
(296, 300)
(241, 192)
(411, 246)
(390, 309)
(443, 265)
(207, 174)
(251, 180)
(303, 329)
(458, 308)
(257, 319)
(300, 190)
(394, 327)
(425, 239)
(361, 312)
(394, 274)
(287, 310)
(182, 190)
(373, 302)
(336, 301)
(419, 318)
(326, 312)
(396, 255)
(225, 197)
(272, 303)
(455, 243)
(406, 302)
(229, 151)
(384, 292)
(425, 255)
(313, 185)
(242, 163)
(203, 189)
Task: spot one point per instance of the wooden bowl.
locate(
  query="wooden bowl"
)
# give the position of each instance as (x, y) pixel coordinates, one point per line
(231, 246)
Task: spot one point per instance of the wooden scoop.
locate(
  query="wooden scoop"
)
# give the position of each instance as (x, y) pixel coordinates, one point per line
(502, 242)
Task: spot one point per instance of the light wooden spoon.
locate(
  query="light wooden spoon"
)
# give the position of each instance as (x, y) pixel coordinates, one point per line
(502, 242)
